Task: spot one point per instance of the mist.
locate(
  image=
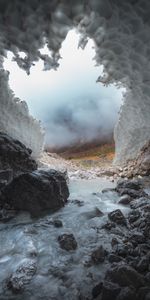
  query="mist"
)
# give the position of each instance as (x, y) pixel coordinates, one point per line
(71, 105)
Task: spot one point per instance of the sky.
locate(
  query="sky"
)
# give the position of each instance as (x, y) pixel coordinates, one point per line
(70, 104)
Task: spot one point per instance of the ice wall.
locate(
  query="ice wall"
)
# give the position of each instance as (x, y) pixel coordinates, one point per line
(16, 120)
(120, 30)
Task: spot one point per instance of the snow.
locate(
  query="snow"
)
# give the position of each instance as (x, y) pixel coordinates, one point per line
(120, 31)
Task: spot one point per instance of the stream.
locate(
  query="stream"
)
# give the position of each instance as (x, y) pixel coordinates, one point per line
(60, 274)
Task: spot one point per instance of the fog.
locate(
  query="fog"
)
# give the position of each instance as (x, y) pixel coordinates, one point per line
(71, 105)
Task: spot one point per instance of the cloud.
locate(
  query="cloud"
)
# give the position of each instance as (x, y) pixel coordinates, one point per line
(71, 105)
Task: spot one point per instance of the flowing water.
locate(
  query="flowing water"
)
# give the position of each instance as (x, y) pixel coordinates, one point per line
(60, 274)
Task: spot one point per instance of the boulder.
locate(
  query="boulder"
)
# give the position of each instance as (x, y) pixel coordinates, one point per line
(125, 275)
(37, 192)
(21, 277)
(14, 155)
(67, 242)
(117, 217)
(98, 255)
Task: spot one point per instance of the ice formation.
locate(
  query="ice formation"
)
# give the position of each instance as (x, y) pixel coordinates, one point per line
(120, 30)
(15, 119)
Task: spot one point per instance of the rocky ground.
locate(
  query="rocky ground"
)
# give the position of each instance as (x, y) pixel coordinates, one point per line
(126, 263)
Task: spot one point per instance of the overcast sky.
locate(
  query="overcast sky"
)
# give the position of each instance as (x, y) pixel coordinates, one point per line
(69, 102)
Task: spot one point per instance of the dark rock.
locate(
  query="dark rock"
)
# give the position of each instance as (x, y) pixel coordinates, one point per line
(117, 217)
(57, 223)
(127, 294)
(147, 278)
(67, 242)
(128, 184)
(134, 215)
(137, 238)
(109, 226)
(96, 212)
(78, 202)
(140, 202)
(114, 242)
(143, 293)
(14, 155)
(21, 277)
(114, 258)
(125, 200)
(6, 215)
(6, 175)
(97, 290)
(98, 255)
(125, 276)
(110, 291)
(108, 190)
(143, 265)
(132, 193)
(37, 192)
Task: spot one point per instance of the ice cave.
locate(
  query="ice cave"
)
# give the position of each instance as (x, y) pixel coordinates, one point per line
(120, 32)
(66, 234)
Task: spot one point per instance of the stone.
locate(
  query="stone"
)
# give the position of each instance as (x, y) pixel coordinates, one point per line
(98, 255)
(57, 223)
(144, 293)
(110, 291)
(117, 217)
(96, 212)
(125, 275)
(143, 265)
(114, 258)
(127, 294)
(107, 190)
(109, 226)
(67, 242)
(37, 192)
(15, 156)
(97, 290)
(21, 277)
(133, 216)
(125, 200)
(128, 184)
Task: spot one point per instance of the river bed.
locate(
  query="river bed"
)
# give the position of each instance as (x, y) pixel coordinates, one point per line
(59, 274)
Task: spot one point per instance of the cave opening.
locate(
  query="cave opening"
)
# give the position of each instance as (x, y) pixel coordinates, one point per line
(78, 113)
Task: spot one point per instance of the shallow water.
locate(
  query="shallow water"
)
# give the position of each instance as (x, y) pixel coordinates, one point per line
(60, 274)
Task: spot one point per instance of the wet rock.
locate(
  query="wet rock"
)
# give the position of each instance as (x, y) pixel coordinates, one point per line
(110, 291)
(132, 193)
(7, 215)
(140, 202)
(133, 216)
(125, 275)
(128, 184)
(109, 226)
(96, 212)
(143, 265)
(144, 293)
(78, 202)
(14, 155)
(37, 192)
(114, 242)
(98, 255)
(21, 277)
(127, 294)
(137, 238)
(97, 290)
(125, 200)
(57, 223)
(114, 258)
(117, 217)
(108, 190)
(67, 242)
